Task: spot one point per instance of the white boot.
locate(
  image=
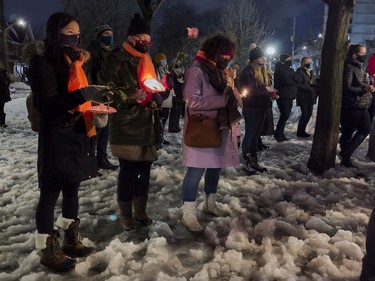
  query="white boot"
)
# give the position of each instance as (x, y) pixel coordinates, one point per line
(41, 240)
(211, 206)
(189, 219)
(63, 223)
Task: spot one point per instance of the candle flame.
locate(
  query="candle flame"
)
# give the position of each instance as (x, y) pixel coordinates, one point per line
(244, 93)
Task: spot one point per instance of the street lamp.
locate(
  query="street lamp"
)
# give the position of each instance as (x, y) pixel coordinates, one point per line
(19, 22)
(270, 52)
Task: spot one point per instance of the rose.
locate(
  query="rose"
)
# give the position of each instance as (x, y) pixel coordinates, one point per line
(192, 32)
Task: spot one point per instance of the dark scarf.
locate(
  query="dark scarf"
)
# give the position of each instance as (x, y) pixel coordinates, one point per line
(216, 76)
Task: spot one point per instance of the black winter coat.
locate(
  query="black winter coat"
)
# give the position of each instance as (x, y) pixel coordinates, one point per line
(63, 145)
(4, 87)
(257, 98)
(96, 62)
(354, 94)
(305, 90)
(285, 81)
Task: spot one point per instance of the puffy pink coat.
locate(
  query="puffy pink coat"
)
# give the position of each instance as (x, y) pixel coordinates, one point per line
(201, 97)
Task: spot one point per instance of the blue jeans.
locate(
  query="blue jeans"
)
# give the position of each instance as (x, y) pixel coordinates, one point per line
(191, 182)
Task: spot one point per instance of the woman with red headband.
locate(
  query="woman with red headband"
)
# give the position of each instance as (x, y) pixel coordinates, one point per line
(206, 92)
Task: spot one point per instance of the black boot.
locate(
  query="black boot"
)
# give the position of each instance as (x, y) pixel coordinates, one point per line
(2, 121)
(303, 134)
(103, 163)
(348, 147)
(261, 145)
(356, 142)
(254, 163)
(246, 165)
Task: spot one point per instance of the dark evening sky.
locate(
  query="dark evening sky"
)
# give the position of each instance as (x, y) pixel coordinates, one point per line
(277, 13)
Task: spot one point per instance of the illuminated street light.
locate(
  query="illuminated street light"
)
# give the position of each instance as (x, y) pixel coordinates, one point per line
(19, 22)
(270, 52)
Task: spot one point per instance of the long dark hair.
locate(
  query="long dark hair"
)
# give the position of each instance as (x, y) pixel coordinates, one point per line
(54, 51)
(217, 45)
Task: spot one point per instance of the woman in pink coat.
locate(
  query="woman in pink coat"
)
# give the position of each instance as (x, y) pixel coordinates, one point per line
(205, 92)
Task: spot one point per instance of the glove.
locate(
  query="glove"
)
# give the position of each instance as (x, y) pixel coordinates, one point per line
(96, 93)
(158, 99)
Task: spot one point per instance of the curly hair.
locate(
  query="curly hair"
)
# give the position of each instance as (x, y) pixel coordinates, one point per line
(217, 45)
(54, 50)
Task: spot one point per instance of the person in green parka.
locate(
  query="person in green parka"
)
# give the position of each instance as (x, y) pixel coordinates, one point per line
(135, 131)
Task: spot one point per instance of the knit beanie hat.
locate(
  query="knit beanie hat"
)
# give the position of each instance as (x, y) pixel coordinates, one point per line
(100, 29)
(159, 57)
(138, 26)
(283, 57)
(255, 52)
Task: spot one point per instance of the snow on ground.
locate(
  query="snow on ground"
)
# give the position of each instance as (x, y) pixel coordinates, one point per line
(285, 224)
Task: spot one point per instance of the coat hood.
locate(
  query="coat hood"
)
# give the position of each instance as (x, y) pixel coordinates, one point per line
(36, 48)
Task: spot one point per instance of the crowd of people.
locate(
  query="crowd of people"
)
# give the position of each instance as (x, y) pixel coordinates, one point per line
(73, 140)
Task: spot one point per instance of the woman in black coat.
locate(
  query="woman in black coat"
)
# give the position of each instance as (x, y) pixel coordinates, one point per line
(61, 95)
(356, 98)
(305, 95)
(4, 95)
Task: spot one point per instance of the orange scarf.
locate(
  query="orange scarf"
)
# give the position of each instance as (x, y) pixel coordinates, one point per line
(145, 69)
(78, 80)
(201, 55)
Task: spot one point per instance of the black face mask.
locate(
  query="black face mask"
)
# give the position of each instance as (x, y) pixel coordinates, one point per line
(107, 40)
(307, 65)
(223, 63)
(288, 63)
(71, 41)
(361, 58)
(141, 48)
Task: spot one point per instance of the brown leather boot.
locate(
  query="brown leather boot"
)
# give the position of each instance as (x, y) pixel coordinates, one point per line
(52, 256)
(126, 215)
(72, 246)
(140, 214)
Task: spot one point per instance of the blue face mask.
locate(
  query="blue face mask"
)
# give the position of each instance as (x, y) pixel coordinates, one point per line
(260, 64)
(71, 41)
(107, 39)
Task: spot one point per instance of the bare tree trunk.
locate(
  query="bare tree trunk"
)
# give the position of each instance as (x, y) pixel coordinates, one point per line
(323, 153)
(3, 35)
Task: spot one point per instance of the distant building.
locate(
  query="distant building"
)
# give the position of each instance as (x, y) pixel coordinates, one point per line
(362, 23)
